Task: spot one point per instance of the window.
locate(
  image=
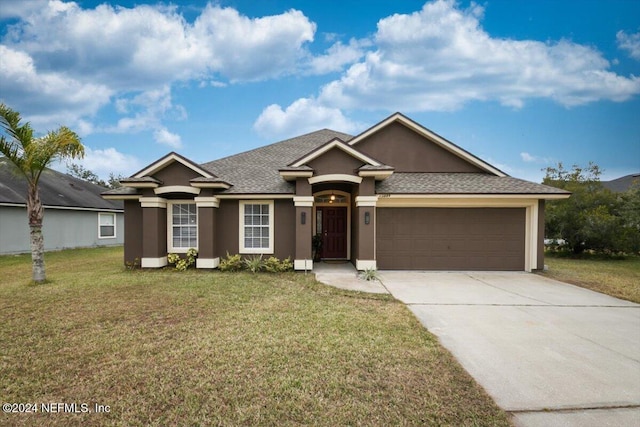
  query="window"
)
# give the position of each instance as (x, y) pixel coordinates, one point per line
(256, 227)
(183, 230)
(106, 225)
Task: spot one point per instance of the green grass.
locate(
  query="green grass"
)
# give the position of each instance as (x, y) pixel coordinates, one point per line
(210, 348)
(616, 277)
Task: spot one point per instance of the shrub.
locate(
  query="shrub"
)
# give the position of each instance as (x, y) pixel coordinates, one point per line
(369, 274)
(254, 264)
(274, 265)
(181, 264)
(231, 263)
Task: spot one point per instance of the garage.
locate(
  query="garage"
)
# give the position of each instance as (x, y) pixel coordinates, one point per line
(450, 238)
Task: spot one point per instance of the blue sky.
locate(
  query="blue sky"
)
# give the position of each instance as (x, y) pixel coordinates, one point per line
(521, 84)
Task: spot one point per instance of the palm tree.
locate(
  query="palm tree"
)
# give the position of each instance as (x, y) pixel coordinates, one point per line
(31, 156)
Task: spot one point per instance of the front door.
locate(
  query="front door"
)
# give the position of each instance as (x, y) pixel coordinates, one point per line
(334, 232)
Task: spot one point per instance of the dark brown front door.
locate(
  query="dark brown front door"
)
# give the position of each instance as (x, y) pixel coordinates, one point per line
(334, 232)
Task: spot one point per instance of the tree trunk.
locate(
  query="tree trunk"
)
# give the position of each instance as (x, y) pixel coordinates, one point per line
(36, 215)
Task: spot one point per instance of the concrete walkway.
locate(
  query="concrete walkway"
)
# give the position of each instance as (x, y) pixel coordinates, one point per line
(549, 353)
(345, 276)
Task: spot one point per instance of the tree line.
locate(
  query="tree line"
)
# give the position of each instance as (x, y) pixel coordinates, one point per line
(594, 218)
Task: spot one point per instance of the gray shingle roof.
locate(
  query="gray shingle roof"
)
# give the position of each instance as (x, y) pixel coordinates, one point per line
(256, 171)
(460, 183)
(56, 189)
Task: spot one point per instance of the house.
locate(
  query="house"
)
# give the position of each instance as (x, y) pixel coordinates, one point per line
(622, 184)
(396, 196)
(75, 215)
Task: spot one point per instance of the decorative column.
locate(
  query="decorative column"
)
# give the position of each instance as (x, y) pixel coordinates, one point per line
(366, 235)
(208, 256)
(304, 221)
(154, 232)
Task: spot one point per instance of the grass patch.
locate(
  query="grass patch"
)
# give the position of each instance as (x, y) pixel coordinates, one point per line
(194, 348)
(619, 278)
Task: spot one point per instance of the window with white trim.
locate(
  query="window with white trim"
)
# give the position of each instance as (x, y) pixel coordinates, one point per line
(183, 227)
(106, 225)
(256, 226)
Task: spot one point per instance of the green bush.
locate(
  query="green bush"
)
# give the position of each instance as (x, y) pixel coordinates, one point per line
(274, 265)
(369, 274)
(181, 264)
(231, 263)
(255, 264)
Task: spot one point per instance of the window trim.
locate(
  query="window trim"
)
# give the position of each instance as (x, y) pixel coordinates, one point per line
(170, 247)
(241, 205)
(115, 220)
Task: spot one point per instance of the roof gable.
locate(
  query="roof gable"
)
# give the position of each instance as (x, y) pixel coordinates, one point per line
(334, 144)
(170, 158)
(451, 155)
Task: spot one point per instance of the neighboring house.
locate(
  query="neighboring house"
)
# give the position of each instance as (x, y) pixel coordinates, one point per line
(397, 196)
(622, 184)
(75, 215)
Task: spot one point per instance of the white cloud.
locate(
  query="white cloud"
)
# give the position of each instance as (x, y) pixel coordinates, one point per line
(62, 62)
(163, 136)
(530, 158)
(440, 58)
(16, 9)
(338, 56)
(304, 115)
(51, 98)
(630, 43)
(102, 162)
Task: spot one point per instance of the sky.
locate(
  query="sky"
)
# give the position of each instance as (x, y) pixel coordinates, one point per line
(521, 84)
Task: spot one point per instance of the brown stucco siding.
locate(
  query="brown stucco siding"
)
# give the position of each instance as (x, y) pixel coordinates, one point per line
(207, 236)
(303, 249)
(176, 174)
(228, 227)
(284, 233)
(154, 232)
(335, 161)
(132, 231)
(366, 232)
(398, 146)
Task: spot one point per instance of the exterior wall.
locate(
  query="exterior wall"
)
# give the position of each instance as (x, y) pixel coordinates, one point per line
(541, 233)
(62, 229)
(154, 232)
(335, 161)
(207, 234)
(176, 174)
(228, 228)
(133, 226)
(402, 148)
(285, 228)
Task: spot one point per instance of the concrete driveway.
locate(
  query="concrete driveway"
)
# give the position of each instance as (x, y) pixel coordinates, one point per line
(550, 353)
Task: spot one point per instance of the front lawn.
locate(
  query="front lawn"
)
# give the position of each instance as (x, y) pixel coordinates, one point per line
(209, 348)
(618, 278)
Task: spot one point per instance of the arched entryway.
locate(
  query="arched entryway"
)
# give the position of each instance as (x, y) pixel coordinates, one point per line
(332, 223)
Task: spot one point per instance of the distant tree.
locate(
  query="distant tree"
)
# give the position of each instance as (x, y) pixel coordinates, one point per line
(80, 172)
(31, 155)
(593, 217)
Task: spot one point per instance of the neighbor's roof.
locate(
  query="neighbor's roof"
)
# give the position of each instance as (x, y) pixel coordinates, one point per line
(56, 189)
(622, 184)
(460, 183)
